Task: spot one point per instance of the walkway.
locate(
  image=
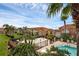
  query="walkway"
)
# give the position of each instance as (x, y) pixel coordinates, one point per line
(47, 47)
(57, 43)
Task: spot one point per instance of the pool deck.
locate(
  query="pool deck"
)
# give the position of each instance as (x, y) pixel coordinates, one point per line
(57, 43)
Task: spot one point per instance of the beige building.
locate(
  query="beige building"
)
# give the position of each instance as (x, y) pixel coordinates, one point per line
(42, 31)
(57, 33)
(70, 29)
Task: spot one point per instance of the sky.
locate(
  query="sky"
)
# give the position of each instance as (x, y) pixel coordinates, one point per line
(30, 15)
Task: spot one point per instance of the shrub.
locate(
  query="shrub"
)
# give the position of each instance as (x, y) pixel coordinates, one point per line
(24, 50)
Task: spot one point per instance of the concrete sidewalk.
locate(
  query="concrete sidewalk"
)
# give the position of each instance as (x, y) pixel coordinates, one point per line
(47, 47)
(57, 43)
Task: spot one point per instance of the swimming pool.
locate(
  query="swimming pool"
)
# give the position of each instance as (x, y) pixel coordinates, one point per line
(72, 50)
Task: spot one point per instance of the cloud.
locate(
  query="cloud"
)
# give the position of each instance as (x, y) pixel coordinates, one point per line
(30, 15)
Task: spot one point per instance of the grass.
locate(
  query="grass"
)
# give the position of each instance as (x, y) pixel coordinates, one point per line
(17, 36)
(3, 45)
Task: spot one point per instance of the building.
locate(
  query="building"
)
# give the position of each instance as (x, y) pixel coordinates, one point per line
(57, 33)
(1, 30)
(41, 42)
(70, 29)
(42, 31)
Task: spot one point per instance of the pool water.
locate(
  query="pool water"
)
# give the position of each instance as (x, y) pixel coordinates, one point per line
(72, 50)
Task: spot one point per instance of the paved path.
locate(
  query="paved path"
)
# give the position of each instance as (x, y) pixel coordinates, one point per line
(48, 47)
(54, 44)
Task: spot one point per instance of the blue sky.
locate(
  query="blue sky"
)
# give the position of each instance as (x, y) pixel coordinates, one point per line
(30, 15)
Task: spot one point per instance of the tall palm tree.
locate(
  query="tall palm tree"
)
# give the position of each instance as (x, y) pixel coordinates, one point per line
(66, 11)
(63, 8)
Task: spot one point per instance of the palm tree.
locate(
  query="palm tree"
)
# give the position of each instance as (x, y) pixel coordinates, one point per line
(50, 37)
(54, 8)
(12, 30)
(24, 29)
(66, 11)
(23, 50)
(20, 31)
(6, 29)
(28, 38)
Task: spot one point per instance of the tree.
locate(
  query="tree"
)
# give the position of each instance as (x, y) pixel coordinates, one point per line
(6, 28)
(24, 29)
(50, 37)
(66, 11)
(65, 37)
(23, 50)
(54, 8)
(12, 30)
(20, 31)
(28, 38)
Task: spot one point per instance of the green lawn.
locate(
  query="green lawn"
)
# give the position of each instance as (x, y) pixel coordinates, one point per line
(17, 36)
(3, 45)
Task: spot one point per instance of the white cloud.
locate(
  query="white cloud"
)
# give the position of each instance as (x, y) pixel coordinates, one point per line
(31, 15)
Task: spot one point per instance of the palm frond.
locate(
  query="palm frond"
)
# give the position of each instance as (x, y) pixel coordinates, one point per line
(64, 17)
(66, 12)
(54, 8)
